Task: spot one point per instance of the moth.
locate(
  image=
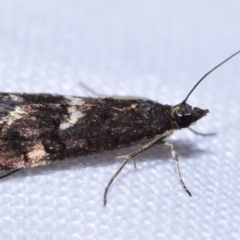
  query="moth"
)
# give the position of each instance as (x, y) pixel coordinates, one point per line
(40, 129)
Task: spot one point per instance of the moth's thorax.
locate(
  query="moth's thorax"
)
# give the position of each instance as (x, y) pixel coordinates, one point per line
(153, 117)
(183, 115)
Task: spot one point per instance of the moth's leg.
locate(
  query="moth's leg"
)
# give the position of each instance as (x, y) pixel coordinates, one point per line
(128, 157)
(112, 96)
(134, 163)
(8, 174)
(175, 159)
(202, 134)
(92, 91)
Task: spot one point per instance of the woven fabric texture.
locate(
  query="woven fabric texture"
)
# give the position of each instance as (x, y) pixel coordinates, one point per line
(153, 49)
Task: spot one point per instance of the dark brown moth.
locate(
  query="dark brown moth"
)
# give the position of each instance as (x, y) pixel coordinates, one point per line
(39, 129)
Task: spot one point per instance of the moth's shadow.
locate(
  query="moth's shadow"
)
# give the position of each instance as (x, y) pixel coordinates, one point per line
(184, 149)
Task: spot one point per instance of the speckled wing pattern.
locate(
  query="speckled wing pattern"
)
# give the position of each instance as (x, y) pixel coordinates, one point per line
(38, 129)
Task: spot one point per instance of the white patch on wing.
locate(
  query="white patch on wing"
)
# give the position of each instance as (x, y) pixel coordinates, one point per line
(15, 97)
(11, 97)
(74, 114)
(13, 116)
(36, 154)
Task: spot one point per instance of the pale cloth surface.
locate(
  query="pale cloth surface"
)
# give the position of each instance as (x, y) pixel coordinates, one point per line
(154, 49)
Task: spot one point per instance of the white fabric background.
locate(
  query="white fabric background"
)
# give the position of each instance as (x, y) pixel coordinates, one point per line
(155, 49)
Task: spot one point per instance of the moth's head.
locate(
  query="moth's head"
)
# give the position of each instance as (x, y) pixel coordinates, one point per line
(184, 115)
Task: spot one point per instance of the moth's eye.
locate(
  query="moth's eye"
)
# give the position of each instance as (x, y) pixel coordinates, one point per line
(183, 121)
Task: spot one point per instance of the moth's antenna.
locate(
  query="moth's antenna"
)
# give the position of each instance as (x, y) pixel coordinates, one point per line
(208, 74)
